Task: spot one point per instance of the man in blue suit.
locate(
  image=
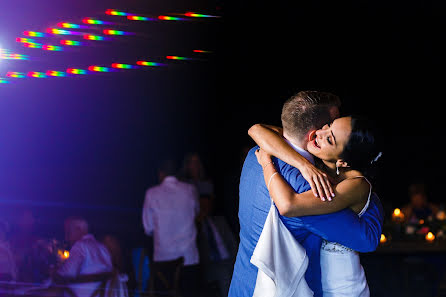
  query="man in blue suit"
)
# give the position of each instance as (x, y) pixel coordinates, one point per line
(302, 113)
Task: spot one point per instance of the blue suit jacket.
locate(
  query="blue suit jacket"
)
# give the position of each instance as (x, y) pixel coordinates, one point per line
(343, 226)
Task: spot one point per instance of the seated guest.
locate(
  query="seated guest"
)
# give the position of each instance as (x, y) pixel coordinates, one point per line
(8, 269)
(114, 247)
(419, 208)
(169, 213)
(23, 240)
(87, 257)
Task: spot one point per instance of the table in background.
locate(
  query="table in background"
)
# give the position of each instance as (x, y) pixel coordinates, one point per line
(406, 268)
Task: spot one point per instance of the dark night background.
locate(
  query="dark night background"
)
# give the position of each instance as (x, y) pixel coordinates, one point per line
(89, 145)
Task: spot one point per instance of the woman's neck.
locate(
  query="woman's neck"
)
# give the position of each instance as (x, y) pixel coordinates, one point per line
(344, 172)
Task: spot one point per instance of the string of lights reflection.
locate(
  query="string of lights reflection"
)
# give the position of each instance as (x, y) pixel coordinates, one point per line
(9, 55)
(90, 24)
(71, 72)
(77, 71)
(6, 54)
(134, 17)
(93, 23)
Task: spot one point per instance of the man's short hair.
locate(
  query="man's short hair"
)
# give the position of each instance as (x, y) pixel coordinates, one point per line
(77, 223)
(307, 110)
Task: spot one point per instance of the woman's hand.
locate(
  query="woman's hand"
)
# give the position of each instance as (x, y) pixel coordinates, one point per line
(263, 157)
(318, 180)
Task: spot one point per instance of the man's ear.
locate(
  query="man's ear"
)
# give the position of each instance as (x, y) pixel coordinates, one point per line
(341, 164)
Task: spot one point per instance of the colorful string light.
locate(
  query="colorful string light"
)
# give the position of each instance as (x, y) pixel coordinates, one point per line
(56, 73)
(99, 69)
(4, 81)
(54, 48)
(32, 45)
(123, 66)
(70, 26)
(170, 18)
(7, 55)
(91, 21)
(199, 15)
(93, 37)
(116, 12)
(15, 74)
(202, 51)
(24, 40)
(138, 18)
(34, 34)
(76, 71)
(177, 58)
(14, 57)
(71, 42)
(36, 74)
(147, 63)
(114, 32)
(59, 31)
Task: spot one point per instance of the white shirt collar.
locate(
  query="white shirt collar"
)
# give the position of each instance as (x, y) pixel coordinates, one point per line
(88, 236)
(169, 179)
(301, 151)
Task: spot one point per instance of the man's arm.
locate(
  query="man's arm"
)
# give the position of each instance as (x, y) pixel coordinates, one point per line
(345, 227)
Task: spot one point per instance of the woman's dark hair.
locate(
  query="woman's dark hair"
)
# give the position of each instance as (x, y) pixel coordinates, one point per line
(361, 151)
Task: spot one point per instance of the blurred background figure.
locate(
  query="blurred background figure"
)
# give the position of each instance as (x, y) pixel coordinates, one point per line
(419, 207)
(169, 213)
(87, 257)
(193, 171)
(216, 241)
(23, 240)
(114, 248)
(8, 268)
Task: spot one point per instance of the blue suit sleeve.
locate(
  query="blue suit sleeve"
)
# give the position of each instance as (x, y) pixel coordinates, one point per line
(344, 227)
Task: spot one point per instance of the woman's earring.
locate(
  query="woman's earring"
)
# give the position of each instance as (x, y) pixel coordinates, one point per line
(337, 169)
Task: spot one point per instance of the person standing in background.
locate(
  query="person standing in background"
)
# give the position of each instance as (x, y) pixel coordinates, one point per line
(217, 243)
(169, 213)
(193, 172)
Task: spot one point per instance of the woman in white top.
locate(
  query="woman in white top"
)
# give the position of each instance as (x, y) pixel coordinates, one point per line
(344, 148)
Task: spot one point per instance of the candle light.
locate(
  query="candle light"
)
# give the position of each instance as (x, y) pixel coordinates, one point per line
(383, 239)
(397, 215)
(441, 215)
(63, 254)
(421, 222)
(430, 237)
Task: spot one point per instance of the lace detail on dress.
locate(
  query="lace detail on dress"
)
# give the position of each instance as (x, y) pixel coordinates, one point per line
(334, 247)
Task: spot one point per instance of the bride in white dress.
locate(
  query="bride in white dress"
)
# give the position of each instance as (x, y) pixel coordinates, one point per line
(341, 146)
(342, 272)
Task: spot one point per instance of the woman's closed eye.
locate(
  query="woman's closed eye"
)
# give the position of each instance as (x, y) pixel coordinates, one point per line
(329, 140)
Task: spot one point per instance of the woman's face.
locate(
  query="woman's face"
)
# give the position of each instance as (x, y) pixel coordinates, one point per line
(328, 143)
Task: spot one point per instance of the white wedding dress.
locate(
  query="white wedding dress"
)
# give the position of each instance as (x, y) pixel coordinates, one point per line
(341, 272)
